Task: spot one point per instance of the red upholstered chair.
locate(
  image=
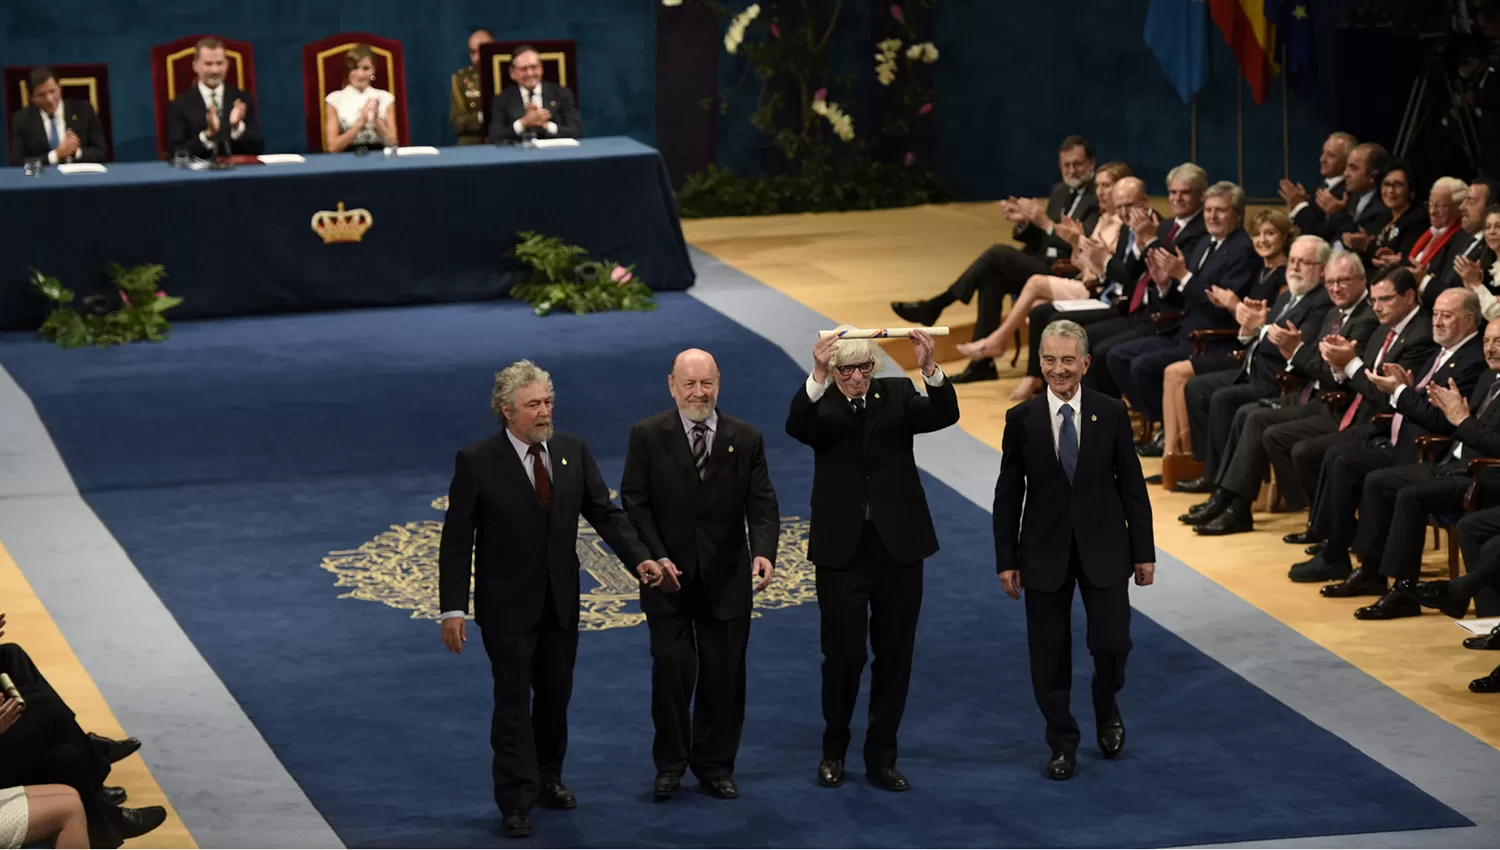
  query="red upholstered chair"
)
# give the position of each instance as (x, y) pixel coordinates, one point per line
(88, 82)
(323, 73)
(172, 74)
(559, 65)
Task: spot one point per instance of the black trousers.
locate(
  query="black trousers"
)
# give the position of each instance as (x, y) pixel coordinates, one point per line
(1341, 488)
(1212, 402)
(1245, 463)
(877, 597)
(1297, 450)
(1001, 270)
(46, 746)
(1393, 514)
(1049, 638)
(1479, 540)
(697, 686)
(533, 672)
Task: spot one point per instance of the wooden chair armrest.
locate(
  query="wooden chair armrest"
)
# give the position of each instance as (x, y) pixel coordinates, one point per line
(1289, 381)
(1384, 420)
(1336, 400)
(1166, 319)
(1477, 466)
(1431, 446)
(1238, 355)
(1065, 268)
(1201, 339)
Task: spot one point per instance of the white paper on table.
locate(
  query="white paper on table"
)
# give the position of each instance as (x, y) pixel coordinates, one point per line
(417, 150)
(81, 168)
(1079, 304)
(557, 143)
(1478, 628)
(281, 158)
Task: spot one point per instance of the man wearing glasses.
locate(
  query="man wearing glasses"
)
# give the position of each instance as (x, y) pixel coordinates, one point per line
(870, 532)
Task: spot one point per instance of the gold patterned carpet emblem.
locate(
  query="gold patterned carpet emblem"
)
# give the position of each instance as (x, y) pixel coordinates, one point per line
(399, 568)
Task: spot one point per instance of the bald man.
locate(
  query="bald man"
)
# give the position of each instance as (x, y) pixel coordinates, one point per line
(466, 113)
(694, 479)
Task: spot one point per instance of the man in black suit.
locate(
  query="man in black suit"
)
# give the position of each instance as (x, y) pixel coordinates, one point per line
(694, 479)
(1347, 466)
(1072, 511)
(55, 129)
(1353, 220)
(871, 530)
(1442, 274)
(1308, 216)
(533, 108)
(1002, 269)
(212, 118)
(512, 527)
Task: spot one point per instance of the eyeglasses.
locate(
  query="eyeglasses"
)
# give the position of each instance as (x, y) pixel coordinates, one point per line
(1298, 261)
(1338, 281)
(864, 368)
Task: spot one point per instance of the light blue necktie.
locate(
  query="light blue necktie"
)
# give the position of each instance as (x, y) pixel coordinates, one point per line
(52, 131)
(1067, 442)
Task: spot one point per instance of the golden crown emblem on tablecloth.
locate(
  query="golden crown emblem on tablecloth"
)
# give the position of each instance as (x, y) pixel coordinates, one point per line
(342, 225)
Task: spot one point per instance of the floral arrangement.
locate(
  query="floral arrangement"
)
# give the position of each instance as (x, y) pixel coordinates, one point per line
(563, 277)
(138, 317)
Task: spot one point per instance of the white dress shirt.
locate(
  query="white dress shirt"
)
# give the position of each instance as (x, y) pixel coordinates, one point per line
(209, 95)
(1354, 366)
(1443, 357)
(533, 96)
(1054, 409)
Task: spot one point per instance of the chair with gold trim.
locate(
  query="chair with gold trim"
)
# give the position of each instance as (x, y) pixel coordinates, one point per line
(559, 65)
(172, 74)
(323, 73)
(86, 81)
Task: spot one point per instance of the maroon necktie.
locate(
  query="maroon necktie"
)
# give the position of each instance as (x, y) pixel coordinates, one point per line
(543, 480)
(1379, 360)
(1140, 287)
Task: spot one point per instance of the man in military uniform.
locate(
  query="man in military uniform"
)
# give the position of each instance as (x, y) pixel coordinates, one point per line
(466, 113)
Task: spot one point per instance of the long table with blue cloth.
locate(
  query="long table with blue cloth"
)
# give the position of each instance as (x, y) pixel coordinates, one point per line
(271, 238)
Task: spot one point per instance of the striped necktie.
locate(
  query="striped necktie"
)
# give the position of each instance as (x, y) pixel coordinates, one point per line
(700, 447)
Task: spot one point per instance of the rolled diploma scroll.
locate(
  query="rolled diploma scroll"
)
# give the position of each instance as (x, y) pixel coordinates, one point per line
(882, 333)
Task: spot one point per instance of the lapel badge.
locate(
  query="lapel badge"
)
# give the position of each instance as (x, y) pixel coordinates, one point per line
(877, 395)
(564, 461)
(731, 449)
(1093, 417)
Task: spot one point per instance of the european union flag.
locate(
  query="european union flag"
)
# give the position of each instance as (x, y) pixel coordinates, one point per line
(1293, 19)
(1177, 32)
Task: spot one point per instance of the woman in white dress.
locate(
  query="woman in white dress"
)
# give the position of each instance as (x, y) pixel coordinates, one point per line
(359, 116)
(32, 813)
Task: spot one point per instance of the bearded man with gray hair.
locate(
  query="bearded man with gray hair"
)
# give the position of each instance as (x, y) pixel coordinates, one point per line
(871, 529)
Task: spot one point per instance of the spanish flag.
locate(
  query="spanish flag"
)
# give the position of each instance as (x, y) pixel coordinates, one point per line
(1251, 35)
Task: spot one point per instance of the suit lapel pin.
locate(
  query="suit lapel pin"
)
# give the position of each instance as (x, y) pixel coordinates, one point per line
(731, 449)
(1093, 417)
(877, 395)
(564, 461)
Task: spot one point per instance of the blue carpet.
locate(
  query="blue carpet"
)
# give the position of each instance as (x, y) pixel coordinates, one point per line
(231, 460)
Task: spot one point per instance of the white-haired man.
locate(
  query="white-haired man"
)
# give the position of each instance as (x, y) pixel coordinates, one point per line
(871, 530)
(513, 511)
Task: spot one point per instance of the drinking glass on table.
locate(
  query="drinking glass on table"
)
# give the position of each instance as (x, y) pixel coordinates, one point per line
(180, 159)
(33, 166)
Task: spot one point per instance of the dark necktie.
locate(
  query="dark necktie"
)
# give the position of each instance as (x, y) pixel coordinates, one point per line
(859, 406)
(1067, 442)
(1139, 297)
(543, 480)
(53, 138)
(700, 447)
(1334, 325)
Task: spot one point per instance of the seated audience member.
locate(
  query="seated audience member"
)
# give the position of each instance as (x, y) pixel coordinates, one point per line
(1484, 281)
(1002, 269)
(466, 111)
(1469, 244)
(1479, 539)
(1271, 236)
(1091, 254)
(1408, 220)
(55, 129)
(1306, 215)
(1435, 248)
(1350, 220)
(1347, 467)
(533, 108)
(359, 116)
(200, 117)
(31, 814)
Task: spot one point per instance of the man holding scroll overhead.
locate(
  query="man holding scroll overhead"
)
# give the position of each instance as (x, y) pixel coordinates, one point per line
(870, 532)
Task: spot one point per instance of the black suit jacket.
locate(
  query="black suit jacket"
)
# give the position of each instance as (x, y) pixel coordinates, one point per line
(869, 461)
(1419, 416)
(28, 133)
(700, 524)
(1312, 220)
(1036, 241)
(1444, 276)
(518, 550)
(1189, 240)
(1412, 350)
(1233, 265)
(1401, 234)
(1360, 326)
(507, 108)
(187, 116)
(1265, 360)
(1480, 432)
(1374, 217)
(1039, 516)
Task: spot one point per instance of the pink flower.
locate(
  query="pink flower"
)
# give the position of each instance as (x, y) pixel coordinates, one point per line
(911, 157)
(820, 94)
(621, 276)
(161, 293)
(775, 31)
(897, 13)
(123, 297)
(926, 109)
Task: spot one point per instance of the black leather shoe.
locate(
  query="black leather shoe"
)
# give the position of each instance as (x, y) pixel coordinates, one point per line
(1205, 511)
(1062, 766)
(976, 371)
(1153, 479)
(887, 778)
(516, 825)
(1362, 582)
(831, 773)
(1154, 447)
(1195, 485)
(1301, 538)
(1489, 641)
(1316, 549)
(556, 795)
(1436, 594)
(1392, 606)
(1318, 570)
(1112, 737)
(114, 750)
(1235, 519)
(1487, 684)
(133, 823)
(113, 795)
(667, 784)
(917, 312)
(722, 788)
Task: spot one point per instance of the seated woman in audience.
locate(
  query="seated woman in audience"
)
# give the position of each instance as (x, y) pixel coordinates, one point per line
(30, 814)
(1090, 254)
(1272, 232)
(1408, 220)
(359, 116)
(1485, 282)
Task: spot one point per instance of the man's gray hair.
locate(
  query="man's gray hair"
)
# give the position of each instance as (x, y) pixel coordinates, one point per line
(1068, 330)
(1318, 242)
(1226, 188)
(856, 350)
(1191, 172)
(1353, 260)
(1452, 185)
(510, 380)
(1349, 141)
